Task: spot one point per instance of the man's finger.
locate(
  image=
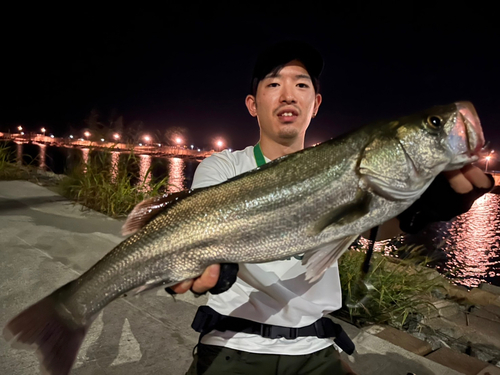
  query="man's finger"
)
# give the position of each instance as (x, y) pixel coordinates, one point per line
(458, 182)
(182, 287)
(207, 280)
(476, 176)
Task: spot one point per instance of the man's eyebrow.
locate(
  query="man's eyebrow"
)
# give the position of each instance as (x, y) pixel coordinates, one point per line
(298, 76)
(303, 76)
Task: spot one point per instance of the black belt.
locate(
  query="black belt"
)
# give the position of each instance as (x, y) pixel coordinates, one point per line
(207, 319)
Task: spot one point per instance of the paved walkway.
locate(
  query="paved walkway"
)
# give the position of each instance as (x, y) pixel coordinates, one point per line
(45, 241)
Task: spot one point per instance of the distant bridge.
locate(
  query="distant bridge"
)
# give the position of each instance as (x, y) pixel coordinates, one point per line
(152, 149)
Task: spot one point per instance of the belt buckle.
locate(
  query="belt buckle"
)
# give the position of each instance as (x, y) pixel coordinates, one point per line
(275, 332)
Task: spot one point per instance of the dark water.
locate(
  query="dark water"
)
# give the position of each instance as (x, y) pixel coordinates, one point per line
(467, 250)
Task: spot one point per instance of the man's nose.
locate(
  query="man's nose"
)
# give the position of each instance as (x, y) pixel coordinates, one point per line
(287, 95)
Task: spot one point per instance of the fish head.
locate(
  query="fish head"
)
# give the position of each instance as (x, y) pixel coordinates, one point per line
(402, 157)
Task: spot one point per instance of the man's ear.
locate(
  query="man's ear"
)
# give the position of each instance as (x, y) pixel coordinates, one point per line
(251, 105)
(317, 103)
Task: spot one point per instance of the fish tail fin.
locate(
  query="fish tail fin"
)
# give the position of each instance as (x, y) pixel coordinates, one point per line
(56, 338)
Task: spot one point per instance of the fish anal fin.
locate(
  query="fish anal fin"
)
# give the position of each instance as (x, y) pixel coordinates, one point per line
(147, 210)
(319, 260)
(345, 214)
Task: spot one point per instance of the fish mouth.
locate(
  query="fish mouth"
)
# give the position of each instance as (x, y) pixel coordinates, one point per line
(475, 136)
(466, 139)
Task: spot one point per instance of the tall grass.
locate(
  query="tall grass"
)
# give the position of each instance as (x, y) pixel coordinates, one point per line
(398, 289)
(9, 169)
(112, 190)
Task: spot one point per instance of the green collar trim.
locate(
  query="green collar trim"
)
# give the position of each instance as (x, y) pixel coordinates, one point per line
(259, 156)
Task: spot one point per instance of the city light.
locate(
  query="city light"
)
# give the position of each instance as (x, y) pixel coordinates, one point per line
(52, 136)
(22, 133)
(71, 136)
(219, 144)
(147, 138)
(178, 140)
(86, 134)
(102, 139)
(43, 130)
(20, 128)
(116, 136)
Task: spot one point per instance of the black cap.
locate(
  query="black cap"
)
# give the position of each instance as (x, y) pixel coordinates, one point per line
(282, 53)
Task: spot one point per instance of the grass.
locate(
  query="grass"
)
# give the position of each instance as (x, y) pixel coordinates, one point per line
(112, 191)
(400, 290)
(9, 168)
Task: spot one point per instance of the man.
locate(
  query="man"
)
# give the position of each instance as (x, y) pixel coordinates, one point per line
(285, 97)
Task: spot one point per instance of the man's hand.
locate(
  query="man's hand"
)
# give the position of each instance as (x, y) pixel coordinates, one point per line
(216, 279)
(464, 180)
(201, 284)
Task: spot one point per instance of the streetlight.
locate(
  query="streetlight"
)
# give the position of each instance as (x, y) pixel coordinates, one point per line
(43, 130)
(178, 140)
(116, 136)
(20, 128)
(147, 138)
(219, 144)
(86, 134)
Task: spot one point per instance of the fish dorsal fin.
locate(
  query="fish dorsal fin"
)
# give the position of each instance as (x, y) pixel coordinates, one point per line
(345, 214)
(145, 211)
(319, 260)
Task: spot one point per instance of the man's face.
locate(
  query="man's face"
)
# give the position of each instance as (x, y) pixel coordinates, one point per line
(285, 103)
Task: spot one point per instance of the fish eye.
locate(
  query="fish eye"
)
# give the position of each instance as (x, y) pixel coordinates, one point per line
(434, 121)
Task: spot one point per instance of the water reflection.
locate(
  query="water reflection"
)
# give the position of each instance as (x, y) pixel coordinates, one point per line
(115, 160)
(472, 243)
(145, 169)
(176, 176)
(42, 156)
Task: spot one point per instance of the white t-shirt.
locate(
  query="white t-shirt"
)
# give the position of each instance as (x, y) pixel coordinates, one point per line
(273, 293)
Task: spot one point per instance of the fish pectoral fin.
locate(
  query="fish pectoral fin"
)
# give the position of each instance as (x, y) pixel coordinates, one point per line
(319, 260)
(147, 210)
(344, 214)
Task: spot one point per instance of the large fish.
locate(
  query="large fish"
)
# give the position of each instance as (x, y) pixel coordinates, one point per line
(315, 201)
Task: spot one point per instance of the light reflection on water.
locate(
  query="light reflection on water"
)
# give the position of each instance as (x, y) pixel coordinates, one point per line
(471, 243)
(145, 169)
(115, 159)
(466, 250)
(176, 175)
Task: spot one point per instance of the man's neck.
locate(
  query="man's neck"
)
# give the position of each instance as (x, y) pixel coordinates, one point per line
(273, 150)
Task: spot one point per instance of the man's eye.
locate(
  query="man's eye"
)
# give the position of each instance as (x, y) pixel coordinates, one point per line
(274, 84)
(303, 85)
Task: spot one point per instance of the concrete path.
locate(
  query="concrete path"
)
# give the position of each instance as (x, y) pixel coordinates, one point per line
(45, 242)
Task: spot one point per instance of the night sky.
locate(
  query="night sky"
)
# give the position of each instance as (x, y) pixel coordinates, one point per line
(188, 67)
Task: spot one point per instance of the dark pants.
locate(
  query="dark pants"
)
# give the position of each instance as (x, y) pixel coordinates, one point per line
(217, 360)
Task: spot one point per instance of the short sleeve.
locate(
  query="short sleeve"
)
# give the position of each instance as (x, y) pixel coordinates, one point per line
(213, 170)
